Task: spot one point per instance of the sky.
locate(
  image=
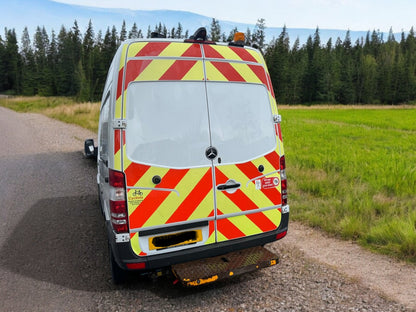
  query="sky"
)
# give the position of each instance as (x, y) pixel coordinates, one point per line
(327, 14)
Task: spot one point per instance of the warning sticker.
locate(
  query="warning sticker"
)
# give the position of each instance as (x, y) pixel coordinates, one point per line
(271, 182)
(135, 197)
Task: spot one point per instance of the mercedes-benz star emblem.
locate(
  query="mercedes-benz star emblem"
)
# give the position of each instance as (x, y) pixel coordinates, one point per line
(211, 153)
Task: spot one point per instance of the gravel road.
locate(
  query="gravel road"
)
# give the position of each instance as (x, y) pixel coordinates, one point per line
(54, 254)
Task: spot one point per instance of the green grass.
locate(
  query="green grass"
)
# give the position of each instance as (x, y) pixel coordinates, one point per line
(352, 172)
(62, 108)
(34, 103)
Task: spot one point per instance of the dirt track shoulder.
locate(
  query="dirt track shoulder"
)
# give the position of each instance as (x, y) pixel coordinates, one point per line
(394, 279)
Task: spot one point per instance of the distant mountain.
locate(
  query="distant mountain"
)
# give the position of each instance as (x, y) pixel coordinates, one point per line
(32, 13)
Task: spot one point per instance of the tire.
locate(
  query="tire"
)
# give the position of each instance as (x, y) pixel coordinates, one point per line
(118, 275)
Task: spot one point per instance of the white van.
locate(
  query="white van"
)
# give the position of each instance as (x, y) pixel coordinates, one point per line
(191, 166)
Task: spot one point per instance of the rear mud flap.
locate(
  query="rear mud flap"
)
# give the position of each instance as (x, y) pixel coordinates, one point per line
(209, 270)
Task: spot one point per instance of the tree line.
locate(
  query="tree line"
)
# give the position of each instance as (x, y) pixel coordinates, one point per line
(370, 71)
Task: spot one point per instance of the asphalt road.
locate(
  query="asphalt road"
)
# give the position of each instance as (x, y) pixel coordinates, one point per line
(54, 252)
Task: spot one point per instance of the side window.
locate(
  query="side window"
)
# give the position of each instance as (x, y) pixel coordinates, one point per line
(103, 125)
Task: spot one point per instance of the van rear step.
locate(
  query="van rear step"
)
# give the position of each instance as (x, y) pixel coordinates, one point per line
(209, 270)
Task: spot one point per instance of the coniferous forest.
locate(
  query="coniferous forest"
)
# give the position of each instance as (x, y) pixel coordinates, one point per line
(372, 70)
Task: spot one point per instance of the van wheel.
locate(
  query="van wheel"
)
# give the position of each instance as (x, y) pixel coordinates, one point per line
(118, 275)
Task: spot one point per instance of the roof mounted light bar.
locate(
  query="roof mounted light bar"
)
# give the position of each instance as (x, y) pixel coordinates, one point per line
(238, 40)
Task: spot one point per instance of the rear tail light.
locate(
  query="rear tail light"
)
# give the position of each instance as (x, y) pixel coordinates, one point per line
(283, 180)
(118, 205)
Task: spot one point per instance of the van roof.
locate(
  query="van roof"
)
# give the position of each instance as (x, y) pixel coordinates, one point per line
(199, 37)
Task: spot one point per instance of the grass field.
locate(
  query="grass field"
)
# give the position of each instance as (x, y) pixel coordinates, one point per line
(61, 108)
(351, 170)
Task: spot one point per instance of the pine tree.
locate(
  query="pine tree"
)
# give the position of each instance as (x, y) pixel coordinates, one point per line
(346, 91)
(44, 77)
(2, 65)
(329, 81)
(123, 33)
(172, 33)
(28, 64)
(11, 76)
(248, 37)
(179, 31)
(231, 34)
(52, 56)
(164, 31)
(76, 48)
(65, 64)
(109, 46)
(215, 30)
(297, 65)
(99, 67)
(309, 80)
(277, 58)
(259, 34)
(86, 65)
(134, 33)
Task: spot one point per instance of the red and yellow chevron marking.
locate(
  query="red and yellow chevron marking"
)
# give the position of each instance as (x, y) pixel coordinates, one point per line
(232, 53)
(246, 225)
(248, 199)
(194, 201)
(118, 136)
(238, 72)
(164, 49)
(153, 70)
(117, 113)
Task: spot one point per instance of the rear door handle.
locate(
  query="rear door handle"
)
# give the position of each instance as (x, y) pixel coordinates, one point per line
(230, 184)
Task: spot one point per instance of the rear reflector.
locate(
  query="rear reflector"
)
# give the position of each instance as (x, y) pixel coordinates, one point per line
(281, 235)
(136, 266)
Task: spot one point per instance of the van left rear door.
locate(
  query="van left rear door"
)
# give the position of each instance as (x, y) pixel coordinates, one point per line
(169, 179)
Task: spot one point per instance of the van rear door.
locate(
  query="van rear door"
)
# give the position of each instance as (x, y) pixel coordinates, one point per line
(247, 173)
(247, 169)
(169, 179)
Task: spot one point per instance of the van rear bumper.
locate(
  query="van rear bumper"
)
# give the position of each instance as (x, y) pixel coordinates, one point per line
(124, 255)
